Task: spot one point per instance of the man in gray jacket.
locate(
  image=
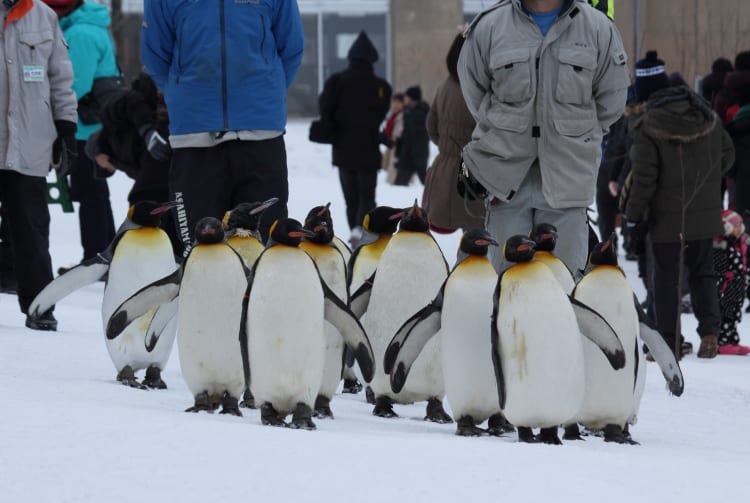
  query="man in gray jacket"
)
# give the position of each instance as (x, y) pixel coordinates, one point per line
(544, 80)
(37, 110)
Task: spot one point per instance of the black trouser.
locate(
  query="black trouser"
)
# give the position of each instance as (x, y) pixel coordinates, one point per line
(607, 210)
(24, 199)
(404, 172)
(95, 211)
(701, 282)
(7, 274)
(358, 186)
(206, 182)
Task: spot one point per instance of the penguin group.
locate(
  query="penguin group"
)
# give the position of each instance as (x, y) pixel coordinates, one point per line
(279, 325)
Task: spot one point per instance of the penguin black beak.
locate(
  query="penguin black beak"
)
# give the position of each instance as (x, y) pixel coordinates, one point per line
(264, 205)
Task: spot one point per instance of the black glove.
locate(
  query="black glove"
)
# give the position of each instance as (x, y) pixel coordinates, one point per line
(636, 242)
(469, 187)
(64, 149)
(156, 145)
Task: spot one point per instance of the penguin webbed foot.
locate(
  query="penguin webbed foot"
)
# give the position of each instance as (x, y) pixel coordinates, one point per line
(383, 407)
(436, 413)
(230, 405)
(302, 418)
(153, 378)
(369, 395)
(615, 434)
(572, 432)
(202, 403)
(498, 425)
(248, 400)
(323, 408)
(549, 436)
(466, 427)
(526, 435)
(126, 377)
(270, 417)
(352, 386)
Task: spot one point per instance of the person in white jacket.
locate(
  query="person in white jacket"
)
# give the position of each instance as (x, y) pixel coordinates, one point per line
(37, 129)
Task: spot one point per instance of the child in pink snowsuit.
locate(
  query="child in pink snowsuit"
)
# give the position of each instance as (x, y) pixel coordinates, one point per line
(730, 258)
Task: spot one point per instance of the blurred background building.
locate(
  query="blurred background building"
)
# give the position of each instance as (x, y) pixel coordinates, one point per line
(413, 36)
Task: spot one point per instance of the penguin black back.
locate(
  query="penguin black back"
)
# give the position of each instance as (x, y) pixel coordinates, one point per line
(545, 237)
(519, 248)
(148, 213)
(415, 219)
(209, 231)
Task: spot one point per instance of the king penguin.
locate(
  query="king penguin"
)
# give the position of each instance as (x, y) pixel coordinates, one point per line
(332, 268)
(409, 275)
(612, 398)
(242, 228)
(284, 311)
(545, 237)
(139, 254)
(461, 315)
(537, 349)
(209, 289)
(378, 226)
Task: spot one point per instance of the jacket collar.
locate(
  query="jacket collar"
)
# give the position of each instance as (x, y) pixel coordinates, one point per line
(18, 11)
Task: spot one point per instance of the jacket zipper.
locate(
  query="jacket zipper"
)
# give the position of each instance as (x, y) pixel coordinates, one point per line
(222, 30)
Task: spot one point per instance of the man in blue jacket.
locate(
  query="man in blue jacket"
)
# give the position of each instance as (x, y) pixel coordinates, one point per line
(224, 67)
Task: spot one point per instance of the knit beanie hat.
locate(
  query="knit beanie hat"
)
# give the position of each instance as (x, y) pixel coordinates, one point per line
(731, 220)
(414, 92)
(650, 76)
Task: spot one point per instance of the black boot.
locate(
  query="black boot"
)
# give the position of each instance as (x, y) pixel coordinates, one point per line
(248, 400)
(127, 377)
(269, 416)
(549, 436)
(572, 432)
(323, 408)
(229, 405)
(436, 413)
(383, 407)
(497, 425)
(153, 378)
(467, 427)
(202, 403)
(302, 418)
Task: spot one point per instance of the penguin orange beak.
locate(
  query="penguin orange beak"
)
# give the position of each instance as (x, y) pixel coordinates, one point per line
(524, 247)
(487, 242)
(547, 236)
(323, 226)
(606, 245)
(164, 207)
(324, 210)
(396, 216)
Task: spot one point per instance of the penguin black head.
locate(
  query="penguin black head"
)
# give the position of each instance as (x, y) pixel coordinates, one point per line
(382, 220)
(545, 237)
(320, 223)
(415, 219)
(519, 249)
(604, 253)
(287, 231)
(247, 215)
(149, 213)
(476, 242)
(209, 231)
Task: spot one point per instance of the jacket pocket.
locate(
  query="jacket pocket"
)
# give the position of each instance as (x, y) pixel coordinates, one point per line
(575, 76)
(511, 73)
(35, 47)
(508, 137)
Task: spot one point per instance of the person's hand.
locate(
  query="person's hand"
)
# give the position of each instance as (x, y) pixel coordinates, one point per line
(156, 145)
(468, 186)
(636, 242)
(64, 149)
(614, 188)
(102, 160)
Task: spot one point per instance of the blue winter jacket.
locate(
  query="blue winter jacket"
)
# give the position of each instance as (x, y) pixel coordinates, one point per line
(91, 51)
(223, 65)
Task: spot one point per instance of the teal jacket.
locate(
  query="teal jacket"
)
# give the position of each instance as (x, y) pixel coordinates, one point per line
(91, 50)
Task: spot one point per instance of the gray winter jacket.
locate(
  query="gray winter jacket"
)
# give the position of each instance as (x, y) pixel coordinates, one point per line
(550, 98)
(36, 87)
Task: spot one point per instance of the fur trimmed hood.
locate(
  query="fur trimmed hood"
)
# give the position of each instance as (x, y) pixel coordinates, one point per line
(676, 114)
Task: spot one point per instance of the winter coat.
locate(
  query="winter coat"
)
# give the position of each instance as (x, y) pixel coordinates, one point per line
(223, 66)
(547, 98)
(739, 131)
(680, 152)
(36, 90)
(389, 156)
(92, 52)
(413, 148)
(356, 101)
(449, 125)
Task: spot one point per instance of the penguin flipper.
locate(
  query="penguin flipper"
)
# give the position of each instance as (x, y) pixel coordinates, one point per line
(497, 362)
(79, 276)
(159, 322)
(661, 352)
(597, 330)
(347, 323)
(361, 298)
(159, 292)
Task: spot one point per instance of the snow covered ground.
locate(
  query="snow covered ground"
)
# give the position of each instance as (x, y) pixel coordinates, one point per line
(70, 433)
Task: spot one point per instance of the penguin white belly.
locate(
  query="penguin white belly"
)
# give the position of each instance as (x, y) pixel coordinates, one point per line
(141, 257)
(409, 276)
(558, 268)
(366, 262)
(286, 343)
(540, 347)
(466, 326)
(210, 311)
(608, 398)
(332, 268)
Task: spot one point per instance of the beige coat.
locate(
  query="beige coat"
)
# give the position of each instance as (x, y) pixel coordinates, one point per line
(37, 87)
(449, 125)
(548, 98)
